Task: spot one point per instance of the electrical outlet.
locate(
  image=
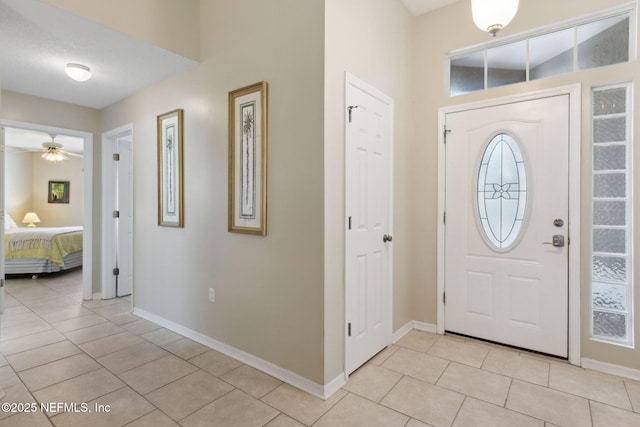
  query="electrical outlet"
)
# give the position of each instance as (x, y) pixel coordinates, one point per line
(212, 294)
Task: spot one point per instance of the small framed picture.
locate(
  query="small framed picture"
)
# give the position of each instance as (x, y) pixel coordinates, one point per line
(170, 190)
(58, 192)
(248, 160)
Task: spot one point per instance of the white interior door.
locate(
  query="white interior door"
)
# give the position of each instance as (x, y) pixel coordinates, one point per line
(124, 253)
(507, 196)
(118, 214)
(369, 133)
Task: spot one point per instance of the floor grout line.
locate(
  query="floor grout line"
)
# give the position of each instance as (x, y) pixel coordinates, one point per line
(111, 310)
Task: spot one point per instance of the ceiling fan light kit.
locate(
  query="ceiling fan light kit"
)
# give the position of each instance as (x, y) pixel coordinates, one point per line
(493, 15)
(53, 151)
(78, 72)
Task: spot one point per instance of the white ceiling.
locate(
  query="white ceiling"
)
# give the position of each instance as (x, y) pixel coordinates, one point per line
(37, 40)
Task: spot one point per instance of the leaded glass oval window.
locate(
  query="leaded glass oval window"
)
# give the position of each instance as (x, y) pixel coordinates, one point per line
(502, 191)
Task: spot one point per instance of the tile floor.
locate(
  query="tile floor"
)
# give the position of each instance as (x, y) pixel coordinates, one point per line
(57, 348)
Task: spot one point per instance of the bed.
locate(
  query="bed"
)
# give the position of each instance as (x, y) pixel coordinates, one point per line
(41, 249)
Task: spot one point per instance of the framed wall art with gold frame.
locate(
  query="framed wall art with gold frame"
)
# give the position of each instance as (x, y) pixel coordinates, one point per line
(170, 165)
(248, 160)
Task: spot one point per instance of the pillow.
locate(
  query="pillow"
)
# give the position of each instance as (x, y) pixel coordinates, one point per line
(9, 223)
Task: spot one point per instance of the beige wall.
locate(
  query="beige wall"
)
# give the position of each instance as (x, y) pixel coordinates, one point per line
(18, 183)
(434, 36)
(58, 214)
(30, 109)
(269, 290)
(373, 41)
(169, 24)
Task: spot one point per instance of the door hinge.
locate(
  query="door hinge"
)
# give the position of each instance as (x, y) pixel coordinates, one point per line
(116, 271)
(444, 297)
(116, 214)
(349, 329)
(445, 132)
(351, 108)
(116, 157)
(349, 223)
(1, 283)
(444, 218)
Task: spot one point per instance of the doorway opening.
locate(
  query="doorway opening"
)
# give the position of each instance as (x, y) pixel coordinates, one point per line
(83, 213)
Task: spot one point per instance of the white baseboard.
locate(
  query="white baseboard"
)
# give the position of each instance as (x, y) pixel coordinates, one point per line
(298, 381)
(414, 324)
(426, 327)
(334, 385)
(404, 330)
(609, 368)
(97, 295)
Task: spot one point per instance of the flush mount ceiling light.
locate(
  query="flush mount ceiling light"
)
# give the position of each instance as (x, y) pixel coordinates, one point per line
(78, 72)
(493, 15)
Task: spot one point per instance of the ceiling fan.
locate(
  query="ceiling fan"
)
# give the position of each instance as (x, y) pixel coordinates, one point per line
(53, 151)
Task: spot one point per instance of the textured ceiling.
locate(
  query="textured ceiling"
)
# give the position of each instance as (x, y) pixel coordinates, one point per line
(37, 40)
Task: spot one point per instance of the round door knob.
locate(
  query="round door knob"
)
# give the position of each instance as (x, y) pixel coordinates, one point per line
(386, 238)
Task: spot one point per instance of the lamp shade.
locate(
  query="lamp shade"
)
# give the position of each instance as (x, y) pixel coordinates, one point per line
(30, 218)
(493, 15)
(78, 72)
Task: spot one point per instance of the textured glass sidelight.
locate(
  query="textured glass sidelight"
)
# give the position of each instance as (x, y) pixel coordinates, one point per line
(612, 191)
(502, 191)
(611, 325)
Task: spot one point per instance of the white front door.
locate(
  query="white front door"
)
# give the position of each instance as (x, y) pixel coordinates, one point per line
(369, 133)
(506, 224)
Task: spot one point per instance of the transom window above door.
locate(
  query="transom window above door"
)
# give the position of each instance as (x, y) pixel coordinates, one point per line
(582, 44)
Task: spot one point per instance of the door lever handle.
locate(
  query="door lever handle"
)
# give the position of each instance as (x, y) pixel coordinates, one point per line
(386, 238)
(557, 241)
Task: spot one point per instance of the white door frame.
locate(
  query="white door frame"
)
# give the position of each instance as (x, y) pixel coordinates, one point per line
(351, 80)
(87, 214)
(108, 289)
(2, 216)
(574, 92)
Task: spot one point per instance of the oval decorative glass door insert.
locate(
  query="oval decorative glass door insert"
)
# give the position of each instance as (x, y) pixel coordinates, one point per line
(502, 192)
